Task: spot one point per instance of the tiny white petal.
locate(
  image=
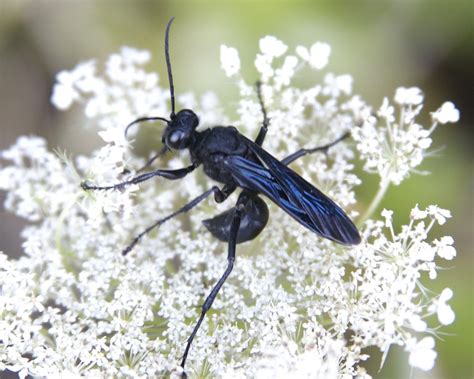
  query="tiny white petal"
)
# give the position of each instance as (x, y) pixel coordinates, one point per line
(387, 214)
(446, 315)
(263, 66)
(319, 56)
(417, 214)
(408, 96)
(272, 47)
(424, 143)
(418, 324)
(386, 110)
(447, 113)
(230, 60)
(63, 96)
(445, 248)
(446, 294)
(423, 356)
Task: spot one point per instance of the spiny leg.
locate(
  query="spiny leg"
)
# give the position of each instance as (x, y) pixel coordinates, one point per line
(234, 229)
(266, 121)
(302, 152)
(168, 174)
(214, 190)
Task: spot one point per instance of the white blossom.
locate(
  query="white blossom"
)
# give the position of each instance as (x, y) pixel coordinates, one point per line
(335, 85)
(447, 113)
(317, 56)
(445, 248)
(386, 111)
(230, 61)
(394, 148)
(422, 354)
(438, 214)
(284, 74)
(64, 91)
(73, 306)
(408, 96)
(387, 214)
(272, 47)
(418, 214)
(445, 314)
(388, 267)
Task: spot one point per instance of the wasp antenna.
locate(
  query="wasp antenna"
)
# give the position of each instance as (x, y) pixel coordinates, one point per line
(141, 119)
(168, 64)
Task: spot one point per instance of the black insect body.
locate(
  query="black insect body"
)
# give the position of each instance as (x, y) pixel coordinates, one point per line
(232, 159)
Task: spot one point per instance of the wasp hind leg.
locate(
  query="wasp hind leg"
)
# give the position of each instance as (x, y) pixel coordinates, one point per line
(237, 214)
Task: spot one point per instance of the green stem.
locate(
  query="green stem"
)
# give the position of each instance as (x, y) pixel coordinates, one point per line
(384, 184)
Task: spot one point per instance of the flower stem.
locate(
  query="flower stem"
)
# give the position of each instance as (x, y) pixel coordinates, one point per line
(384, 184)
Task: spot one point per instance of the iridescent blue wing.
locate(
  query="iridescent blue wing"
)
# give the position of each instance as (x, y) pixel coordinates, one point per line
(301, 200)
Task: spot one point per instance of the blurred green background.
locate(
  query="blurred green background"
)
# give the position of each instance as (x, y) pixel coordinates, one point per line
(383, 44)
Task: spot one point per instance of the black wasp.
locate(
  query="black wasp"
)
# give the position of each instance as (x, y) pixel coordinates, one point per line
(230, 158)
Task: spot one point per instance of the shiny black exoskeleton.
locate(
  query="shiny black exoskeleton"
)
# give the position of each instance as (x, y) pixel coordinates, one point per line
(232, 159)
(212, 148)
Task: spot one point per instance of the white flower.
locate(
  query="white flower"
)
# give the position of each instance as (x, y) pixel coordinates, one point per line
(408, 96)
(446, 315)
(284, 74)
(447, 113)
(65, 91)
(422, 354)
(387, 214)
(417, 214)
(63, 96)
(230, 60)
(263, 66)
(439, 214)
(73, 305)
(335, 85)
(317, 56)
(395, 148)
(135, 56)
(386, 111)
(390, 287)
(113, 135)
(445, 247)
(423, 252)
(272, 47)
(418, 324)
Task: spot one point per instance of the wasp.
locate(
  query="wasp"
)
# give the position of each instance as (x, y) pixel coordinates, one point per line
(237, 162)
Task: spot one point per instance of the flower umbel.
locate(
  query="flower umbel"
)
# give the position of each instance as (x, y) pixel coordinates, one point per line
(73, 305)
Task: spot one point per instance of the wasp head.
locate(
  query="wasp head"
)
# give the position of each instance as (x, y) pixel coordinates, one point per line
(179, 133)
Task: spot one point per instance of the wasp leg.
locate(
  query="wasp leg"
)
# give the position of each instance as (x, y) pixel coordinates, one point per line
(302, 152)
(214, 190)
(230, 264)
(266, 121)
(168, 174)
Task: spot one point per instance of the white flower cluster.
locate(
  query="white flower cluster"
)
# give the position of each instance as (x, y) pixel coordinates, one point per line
(387, 295)
(73, 305)
(394, 146)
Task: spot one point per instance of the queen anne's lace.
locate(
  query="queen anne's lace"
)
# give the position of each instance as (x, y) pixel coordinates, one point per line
(72, 305)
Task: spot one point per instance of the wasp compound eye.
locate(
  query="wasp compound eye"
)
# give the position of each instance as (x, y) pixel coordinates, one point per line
(177, 139)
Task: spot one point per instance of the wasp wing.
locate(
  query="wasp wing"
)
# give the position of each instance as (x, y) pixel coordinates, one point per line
(300, 199)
